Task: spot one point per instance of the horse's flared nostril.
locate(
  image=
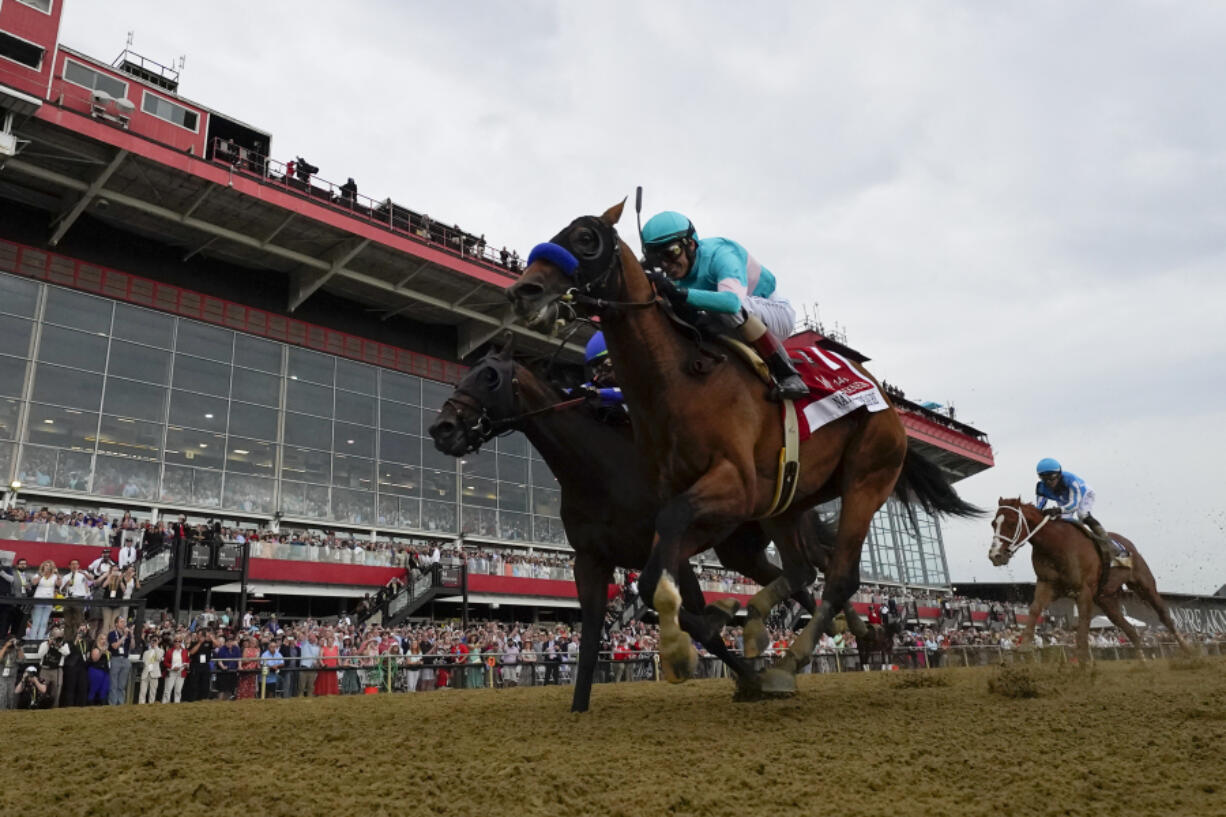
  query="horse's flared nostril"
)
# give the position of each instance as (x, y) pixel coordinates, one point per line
(524, 291)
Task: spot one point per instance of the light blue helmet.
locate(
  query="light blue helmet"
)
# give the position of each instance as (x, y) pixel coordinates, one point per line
(1048, 464)
(596, 348)
(665, 227)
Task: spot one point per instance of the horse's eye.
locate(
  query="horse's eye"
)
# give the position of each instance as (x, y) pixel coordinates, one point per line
(490, 377)
(587, 243)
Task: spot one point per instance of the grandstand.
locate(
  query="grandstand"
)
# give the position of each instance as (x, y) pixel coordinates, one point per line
(199, 328)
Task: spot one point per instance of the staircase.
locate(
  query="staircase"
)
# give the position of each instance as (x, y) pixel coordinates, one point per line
(633, 610)
(437, 583)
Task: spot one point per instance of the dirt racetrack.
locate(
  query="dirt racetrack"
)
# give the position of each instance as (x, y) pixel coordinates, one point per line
(1126, 738)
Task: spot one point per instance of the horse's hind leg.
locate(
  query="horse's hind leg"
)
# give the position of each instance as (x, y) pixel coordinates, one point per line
(706, 627)
(1110, 605)
(1148, 592)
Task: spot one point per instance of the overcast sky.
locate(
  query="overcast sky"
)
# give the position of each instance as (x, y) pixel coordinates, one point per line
(1019, 208)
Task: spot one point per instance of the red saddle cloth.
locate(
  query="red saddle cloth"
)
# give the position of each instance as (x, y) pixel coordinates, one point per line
(836, 387)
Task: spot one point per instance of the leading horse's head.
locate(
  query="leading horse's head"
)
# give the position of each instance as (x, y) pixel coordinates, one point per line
(1010, 530)
(478, 408)
(583, 259)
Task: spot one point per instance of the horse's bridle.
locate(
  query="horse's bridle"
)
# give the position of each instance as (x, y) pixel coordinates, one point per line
(485, 426)
(596, 268)
(1014, 544)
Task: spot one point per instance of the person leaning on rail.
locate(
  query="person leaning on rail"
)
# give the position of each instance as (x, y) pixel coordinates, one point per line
(718, 276)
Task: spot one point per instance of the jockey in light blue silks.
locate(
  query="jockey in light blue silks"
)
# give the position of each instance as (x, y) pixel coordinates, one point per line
(720, 277)
(1073, 501)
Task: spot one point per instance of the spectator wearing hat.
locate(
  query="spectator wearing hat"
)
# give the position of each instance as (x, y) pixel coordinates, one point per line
(175, 664)
(32, 691)
(151, 669)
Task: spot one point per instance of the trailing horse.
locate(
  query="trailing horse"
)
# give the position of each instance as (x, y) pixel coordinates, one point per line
(608, 507)
(711, 438)
(1066, 563)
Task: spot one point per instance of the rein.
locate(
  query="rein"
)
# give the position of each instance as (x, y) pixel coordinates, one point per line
(1015, 544)
(484, 428)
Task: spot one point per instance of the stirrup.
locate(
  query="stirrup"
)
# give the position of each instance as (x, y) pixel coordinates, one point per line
(791, 392)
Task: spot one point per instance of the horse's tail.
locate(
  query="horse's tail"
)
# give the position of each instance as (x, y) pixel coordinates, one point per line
(923, 483)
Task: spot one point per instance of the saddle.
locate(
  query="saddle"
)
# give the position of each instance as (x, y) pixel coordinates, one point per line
(1120, 556)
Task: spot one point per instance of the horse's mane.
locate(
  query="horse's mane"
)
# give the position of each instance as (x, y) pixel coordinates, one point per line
(559, 376)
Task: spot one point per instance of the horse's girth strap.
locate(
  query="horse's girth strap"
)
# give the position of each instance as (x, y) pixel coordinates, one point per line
(789, 463)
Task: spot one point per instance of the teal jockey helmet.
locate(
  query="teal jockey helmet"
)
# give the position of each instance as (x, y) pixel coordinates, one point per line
(1048, 465)
(665, 227)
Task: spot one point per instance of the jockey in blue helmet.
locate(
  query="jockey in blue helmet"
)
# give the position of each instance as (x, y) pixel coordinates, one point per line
(1073, 501)
(719, 276)
(601, 383)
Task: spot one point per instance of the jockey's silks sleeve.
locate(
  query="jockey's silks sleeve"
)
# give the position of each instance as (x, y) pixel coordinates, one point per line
(722, 274)
(1068, 499)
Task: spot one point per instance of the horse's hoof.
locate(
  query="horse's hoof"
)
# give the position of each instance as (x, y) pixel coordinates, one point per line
(680, 666)
(755, 636)
(837, 625)
(726, 608)
(777, 683)
(748, 689)
(787, 663)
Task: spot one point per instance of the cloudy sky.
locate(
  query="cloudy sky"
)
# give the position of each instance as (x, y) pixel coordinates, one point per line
(1019, 208)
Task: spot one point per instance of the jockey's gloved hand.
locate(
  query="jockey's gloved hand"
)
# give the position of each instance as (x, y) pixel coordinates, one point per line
(1054, 513)
(666, 289)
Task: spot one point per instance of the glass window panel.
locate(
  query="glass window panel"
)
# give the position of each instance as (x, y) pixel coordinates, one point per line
(399, 479)
(400, 417)
(187, 446)
(206, 488)
(433, 395)
(73, 470)
(205, 341)
(37, 467)
(256, 353)
(128, 478)
(65, 428)
(12, 375)
(549, 530)
(388, 511)
(204, 376)
(308, 398)
(480, 492)
(355, 376)
(546, 502)
(410, 513)
(355, 408)
(431, 457)
(356, 440)
(479, 521)
(130, 438)
(18, 296)
(403, 388)
(304, 500)
(81, 350)
(513, 496)
(438, 485)
(250, 456)
(9, 409)
(15, 335)
(68, 388)
(355, 507)
(514, 526)
(353, 472)
(248, 494)
(542, 477)
(139, 362)
(144, 326)
(127, 398)
(253, 421)
(480, 464)
(301, 429)
(311, 366)
(79, 311)
(516, 444)
(306, 465)
(256, 387)
(197, 410)
(512, 469)
(399, 447)
(438, 516)
(176, 485)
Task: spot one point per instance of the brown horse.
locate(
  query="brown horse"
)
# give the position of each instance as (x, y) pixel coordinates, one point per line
(1066, 563)
(711, 436)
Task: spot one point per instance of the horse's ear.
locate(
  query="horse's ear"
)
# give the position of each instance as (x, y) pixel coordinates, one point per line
(506, 346)
(614, 213)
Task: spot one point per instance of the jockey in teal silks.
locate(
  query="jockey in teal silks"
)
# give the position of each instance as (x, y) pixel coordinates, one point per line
(721, 278)
(1073, 501)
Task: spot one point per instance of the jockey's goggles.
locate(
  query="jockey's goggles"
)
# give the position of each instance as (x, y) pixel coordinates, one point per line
(671, 251)
(1049, 474)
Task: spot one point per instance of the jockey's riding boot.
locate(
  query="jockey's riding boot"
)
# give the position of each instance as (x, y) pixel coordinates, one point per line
(787, 382)
(1106, 551)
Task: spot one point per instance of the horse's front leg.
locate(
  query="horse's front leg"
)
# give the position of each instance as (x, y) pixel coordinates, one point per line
(592, 580)
(1085, 607)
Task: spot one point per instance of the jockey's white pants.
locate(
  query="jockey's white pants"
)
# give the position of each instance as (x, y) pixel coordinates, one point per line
(1083, 509)
(777, 313)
